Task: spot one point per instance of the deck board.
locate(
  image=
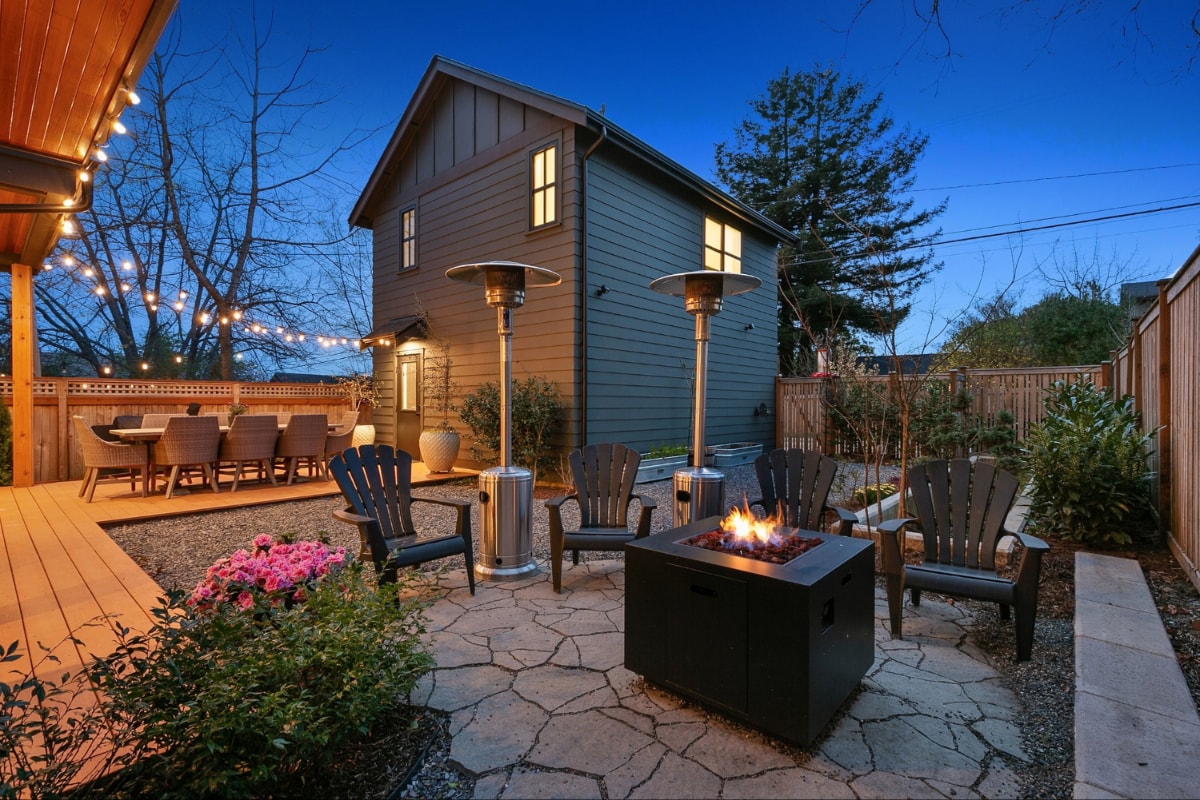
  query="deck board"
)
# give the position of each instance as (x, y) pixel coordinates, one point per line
(60, 571)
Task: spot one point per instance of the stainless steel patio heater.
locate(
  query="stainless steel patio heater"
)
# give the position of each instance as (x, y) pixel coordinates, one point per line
(505, 491)
(700, 490)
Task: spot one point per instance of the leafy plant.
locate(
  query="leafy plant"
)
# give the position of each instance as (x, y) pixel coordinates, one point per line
(874, 493)
(536, 417)
(221, 700)
(6, 456)
(665, 450)
(1087, 459)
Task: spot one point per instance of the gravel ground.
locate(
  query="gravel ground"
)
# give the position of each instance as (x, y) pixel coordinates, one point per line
(177, 552)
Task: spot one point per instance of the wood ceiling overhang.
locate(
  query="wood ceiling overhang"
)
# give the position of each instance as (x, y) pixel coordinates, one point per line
(66, 68)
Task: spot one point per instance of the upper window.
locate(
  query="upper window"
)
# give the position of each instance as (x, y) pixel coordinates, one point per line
(722, 246)
(408, 238)
(543, 187)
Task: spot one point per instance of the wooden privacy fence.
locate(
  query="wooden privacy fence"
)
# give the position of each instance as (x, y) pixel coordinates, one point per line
(802, 411)
(56, 454)
(1160, 367)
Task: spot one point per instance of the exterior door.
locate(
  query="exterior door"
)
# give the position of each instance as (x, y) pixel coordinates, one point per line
(408, 407)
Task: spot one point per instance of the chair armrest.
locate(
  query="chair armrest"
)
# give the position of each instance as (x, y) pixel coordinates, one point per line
(1029, 542)
(1031, 564)
(847, 519)
(890, 554)
(462, 507)
(353, 519)
(554, 510)
(648, 505)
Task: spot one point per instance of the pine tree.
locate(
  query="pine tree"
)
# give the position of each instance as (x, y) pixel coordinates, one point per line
(820, 158)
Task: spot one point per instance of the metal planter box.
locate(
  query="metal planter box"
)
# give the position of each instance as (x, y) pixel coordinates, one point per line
(779, 647)
(731, 455)
(657, 469)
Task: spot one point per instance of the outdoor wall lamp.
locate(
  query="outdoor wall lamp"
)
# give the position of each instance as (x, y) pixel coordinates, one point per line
(749, 326)
(603, 290)
(762, 410)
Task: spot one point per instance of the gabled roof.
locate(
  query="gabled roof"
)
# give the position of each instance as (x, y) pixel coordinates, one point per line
(441, 69)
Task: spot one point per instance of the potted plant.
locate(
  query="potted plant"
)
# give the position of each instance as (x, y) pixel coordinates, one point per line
(360, 390)
(439, 443)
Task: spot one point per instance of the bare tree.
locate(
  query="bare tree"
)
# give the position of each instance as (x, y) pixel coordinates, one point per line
(209, 234)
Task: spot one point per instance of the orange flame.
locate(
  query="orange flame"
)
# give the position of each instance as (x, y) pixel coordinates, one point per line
(744, 526)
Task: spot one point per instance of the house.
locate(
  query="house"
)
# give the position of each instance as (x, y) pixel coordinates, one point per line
(481, 169)
(910, 364)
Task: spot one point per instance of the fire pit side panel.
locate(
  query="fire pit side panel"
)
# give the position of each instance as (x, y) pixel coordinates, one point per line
(808, 657)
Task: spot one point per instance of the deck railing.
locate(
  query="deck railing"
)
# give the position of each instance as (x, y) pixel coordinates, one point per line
(58, 457)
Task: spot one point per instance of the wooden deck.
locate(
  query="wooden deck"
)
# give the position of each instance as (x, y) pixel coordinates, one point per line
(60, 571)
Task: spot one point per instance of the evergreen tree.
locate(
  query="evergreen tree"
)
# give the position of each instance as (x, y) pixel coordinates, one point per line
(819, 157)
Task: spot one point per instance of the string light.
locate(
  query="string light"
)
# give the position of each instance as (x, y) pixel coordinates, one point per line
(119, 127)
(248, 327)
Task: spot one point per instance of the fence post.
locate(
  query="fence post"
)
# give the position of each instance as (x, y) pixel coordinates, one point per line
(1164, 409)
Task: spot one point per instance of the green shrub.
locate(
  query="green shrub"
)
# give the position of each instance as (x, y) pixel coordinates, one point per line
(536, 417)
(874, 493)
(1087, 460)
(222, 701)
(665, 450)
(6, 444)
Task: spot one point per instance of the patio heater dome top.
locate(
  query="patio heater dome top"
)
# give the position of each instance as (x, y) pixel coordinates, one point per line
(504, 281)
(704, 289)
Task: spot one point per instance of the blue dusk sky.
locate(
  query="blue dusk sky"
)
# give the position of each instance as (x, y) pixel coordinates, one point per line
(1032, 121)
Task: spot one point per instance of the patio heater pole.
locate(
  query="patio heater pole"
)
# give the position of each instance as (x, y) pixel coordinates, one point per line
(700, 491)
(505, 491)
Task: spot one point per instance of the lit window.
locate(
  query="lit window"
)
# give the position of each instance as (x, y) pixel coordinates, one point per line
(408, 238)
(722, 246)
(408, 385)
(543, 187)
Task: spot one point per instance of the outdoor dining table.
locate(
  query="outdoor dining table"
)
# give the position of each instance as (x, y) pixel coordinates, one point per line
(149, 436)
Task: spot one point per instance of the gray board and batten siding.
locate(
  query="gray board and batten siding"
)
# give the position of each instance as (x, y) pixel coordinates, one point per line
(460, 158)
(641, 347)
(472, 205)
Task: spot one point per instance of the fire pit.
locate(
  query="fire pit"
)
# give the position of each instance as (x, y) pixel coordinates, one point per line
(779, 646)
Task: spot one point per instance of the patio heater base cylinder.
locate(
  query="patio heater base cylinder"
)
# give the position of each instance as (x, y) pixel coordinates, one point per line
(505, 532)
(699, 494)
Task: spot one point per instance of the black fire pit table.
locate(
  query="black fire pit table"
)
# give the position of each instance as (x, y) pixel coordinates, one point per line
(777, 646)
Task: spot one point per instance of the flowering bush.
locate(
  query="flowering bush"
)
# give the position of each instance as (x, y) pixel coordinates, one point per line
(276, 572)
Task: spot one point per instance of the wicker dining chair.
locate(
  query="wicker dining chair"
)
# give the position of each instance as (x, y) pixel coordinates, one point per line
(338, 439)
(250, 441)
(302, 440)
(189, 442)
(99, 455)
(157, 420)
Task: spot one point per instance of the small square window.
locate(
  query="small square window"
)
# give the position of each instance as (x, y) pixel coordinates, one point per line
(543, 197)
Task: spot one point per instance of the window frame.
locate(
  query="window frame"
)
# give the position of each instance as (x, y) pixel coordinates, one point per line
(408, 243)
(538, 191)
(727, 252)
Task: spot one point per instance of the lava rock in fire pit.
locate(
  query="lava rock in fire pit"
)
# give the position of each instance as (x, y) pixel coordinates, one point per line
(779, 549)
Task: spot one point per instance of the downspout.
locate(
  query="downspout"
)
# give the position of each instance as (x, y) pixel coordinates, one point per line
(583, 290)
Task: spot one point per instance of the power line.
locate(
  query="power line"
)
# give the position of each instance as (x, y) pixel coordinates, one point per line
(1054, 178)
(1012, 232)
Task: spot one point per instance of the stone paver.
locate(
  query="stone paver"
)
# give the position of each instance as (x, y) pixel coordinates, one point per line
(542, 706)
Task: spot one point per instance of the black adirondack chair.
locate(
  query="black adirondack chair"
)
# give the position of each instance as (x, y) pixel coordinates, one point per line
(797, 482)
(603, 475)
(961, 509)
(376, 481)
